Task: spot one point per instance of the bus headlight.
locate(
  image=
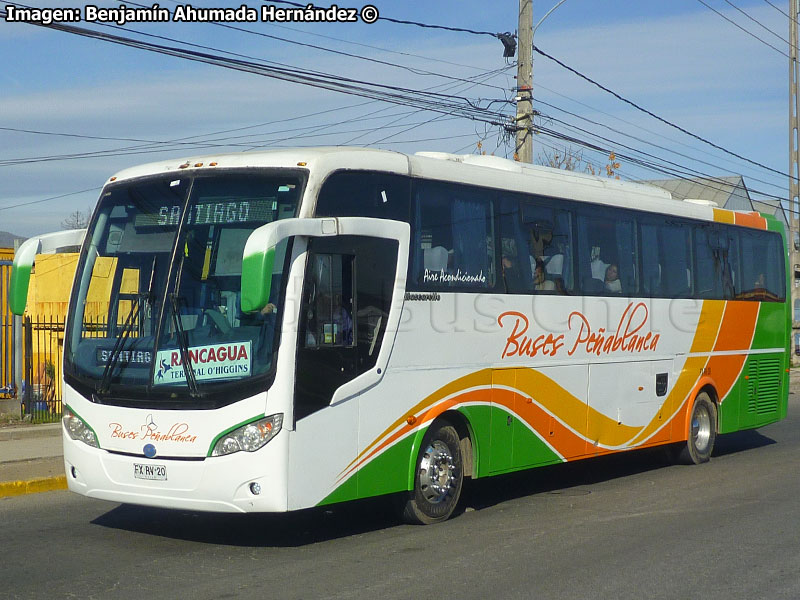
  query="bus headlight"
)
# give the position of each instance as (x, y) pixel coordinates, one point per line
(77, 429)
(249, 437)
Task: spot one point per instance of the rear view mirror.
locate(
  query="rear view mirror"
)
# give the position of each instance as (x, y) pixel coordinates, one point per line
(49, 243)
(259, 255)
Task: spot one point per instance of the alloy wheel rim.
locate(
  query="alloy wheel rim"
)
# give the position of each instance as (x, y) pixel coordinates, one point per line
(701, 428)
(438, 472)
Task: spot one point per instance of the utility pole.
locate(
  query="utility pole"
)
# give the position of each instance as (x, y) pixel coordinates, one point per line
(523, 149)
(794, 162)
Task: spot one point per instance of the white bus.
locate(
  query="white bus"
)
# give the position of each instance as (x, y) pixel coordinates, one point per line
(282, 330)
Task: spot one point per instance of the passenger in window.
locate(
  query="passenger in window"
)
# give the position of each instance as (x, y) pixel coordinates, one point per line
(512, 277)
(343, 323)
(612, 282)
(761, 282)
(540, 281)
(598, 265)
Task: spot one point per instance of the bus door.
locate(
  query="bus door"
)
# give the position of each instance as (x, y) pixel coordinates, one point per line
(350, 308)
(347, 296)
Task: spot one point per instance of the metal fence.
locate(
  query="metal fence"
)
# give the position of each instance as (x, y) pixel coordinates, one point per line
(7, 387)
(42, 342)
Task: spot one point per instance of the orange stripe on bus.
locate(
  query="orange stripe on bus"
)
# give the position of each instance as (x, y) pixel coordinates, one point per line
(708, 325)
(751, 220)
(738, 325)
(736, 333)
(479, 395)
(593, 425)
(583, 422)
(477, 379)
(560, 438)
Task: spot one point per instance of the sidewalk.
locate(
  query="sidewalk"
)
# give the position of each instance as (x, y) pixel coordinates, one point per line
(31, 459)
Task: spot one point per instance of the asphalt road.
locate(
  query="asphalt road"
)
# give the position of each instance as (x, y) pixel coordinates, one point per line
(627, 526)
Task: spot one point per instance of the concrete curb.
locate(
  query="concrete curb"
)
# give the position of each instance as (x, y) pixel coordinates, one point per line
(32, 486)
(25, 432)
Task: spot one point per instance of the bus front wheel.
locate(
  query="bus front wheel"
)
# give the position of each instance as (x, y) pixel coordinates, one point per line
(702, 431)
(438, 478)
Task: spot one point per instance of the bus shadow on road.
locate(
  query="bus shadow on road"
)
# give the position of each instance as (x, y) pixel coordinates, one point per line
(575, 478)
(292, 529)
(732, 443)
(354, 518)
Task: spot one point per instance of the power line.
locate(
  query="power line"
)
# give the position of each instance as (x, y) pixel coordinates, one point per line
(508, 39)
(655, 116)
(403, 22)
(664, 167)
(747, 31)
(648, 142)
(394, 94)
(723, 158)
(169, 145)
(94, 189)
(371, 47)
(615, 145)
(306, 45)
(780, 10)
(759, 23)
(613, 93)
(442, 102)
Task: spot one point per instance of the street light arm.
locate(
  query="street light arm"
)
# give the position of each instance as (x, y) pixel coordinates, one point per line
(547, 14)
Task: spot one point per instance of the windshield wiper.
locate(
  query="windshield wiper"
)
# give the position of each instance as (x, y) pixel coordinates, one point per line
(127, 327)
(183, 346)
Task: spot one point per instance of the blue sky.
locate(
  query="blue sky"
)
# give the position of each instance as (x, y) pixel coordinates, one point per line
(678, 59)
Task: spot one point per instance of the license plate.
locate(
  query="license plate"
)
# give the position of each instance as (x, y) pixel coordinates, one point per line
(151, 472)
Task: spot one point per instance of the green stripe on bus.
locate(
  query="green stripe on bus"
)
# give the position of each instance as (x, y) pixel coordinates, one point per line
(389, 472)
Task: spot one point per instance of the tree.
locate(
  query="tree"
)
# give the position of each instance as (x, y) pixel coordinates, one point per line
(77, 219)
(568, 160)
(572, 160)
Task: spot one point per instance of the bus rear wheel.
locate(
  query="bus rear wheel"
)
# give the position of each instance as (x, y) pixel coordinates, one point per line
(438, 478)
(702, 431)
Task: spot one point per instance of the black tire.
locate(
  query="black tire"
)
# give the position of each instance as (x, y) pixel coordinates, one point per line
(702, 432)
(438, 478)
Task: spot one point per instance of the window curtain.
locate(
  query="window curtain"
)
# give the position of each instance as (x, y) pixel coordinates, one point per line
(469, 236)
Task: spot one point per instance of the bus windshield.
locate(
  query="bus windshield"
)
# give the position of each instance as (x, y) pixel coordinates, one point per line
(155, 315)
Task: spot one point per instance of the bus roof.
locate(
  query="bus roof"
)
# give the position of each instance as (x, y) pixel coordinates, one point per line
(478, 170)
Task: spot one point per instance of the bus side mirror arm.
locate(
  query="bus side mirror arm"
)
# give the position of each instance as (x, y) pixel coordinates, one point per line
(49, 243)
(259, 255)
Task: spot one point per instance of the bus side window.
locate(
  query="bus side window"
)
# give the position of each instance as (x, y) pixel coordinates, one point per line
(651, 263)
(713, 248)
(666, 259)
(761, 278)
(365, 194)
(346, 301)
(607, 253)
(535, 245)
(455, 222)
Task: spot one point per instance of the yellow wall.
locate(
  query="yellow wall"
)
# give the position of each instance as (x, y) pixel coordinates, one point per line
(51, 283)
(48, 299)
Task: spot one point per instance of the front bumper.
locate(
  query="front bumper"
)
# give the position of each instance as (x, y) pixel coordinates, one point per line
(216, 484)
